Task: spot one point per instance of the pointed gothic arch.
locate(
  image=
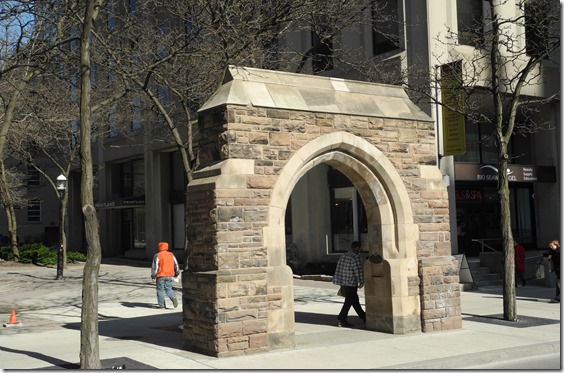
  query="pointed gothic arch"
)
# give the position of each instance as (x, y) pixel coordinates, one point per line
(259, 134)
(392, 233)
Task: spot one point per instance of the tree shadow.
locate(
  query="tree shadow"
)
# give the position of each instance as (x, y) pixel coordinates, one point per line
(162, 329)
(39, 356)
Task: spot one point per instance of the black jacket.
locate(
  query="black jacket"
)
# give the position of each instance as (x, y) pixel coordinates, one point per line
(554, 256)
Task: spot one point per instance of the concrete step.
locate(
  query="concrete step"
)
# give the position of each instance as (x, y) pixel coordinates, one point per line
(478, 271)
(480, 284)
(482, 276)
(485, 277)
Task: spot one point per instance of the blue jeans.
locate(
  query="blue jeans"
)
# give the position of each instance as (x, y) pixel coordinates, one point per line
(164, 285)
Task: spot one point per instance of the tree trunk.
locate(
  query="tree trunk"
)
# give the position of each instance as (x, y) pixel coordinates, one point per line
(13, 229)
(63, 238)
(8, 203)
(89, 337)
(509, 306)
(62, 216)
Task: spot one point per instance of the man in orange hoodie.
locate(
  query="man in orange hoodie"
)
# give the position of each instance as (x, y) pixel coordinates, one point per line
(164, 269)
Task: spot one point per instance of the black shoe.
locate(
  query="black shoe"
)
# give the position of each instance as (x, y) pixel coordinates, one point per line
(174, 302)
(344, 324)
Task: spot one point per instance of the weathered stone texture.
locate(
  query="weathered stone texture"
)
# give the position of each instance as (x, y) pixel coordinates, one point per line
(440, 289)
(229, 212)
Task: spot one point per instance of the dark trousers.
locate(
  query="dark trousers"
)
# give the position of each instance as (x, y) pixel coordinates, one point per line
(520, 276)
(557, 272)
(351, 299)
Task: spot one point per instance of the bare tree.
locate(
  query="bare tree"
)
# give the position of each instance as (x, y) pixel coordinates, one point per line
(12, 193)
(524, 68)
(30, 41)
(492, 86)
(89, 338)
(174, 54)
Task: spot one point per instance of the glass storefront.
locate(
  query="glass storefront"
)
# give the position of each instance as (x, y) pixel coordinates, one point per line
(478, 216)
(348, 215)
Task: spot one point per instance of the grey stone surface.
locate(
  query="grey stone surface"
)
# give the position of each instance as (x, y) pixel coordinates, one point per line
(282, 90)
(134, 333)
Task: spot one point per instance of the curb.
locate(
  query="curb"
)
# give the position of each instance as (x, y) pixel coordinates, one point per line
(478, 359)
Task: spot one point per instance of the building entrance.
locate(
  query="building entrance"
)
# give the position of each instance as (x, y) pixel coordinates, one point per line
(478, 217)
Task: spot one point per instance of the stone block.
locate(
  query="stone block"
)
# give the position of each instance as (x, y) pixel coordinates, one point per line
(229, 330)
(255, 326)
(258, 341)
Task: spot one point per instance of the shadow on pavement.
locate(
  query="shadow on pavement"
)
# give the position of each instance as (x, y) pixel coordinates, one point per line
(522, 321)
(115, 363)
(324, 319)
(38, 356)
(315, 318)
(160, 329)
(137, 305)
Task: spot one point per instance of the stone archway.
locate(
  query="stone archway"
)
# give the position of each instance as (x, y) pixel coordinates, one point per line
(260, 133)
(392, 233)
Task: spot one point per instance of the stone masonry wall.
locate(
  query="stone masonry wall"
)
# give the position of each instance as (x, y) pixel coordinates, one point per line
(440, 294)
(272, 136)
(226, 223)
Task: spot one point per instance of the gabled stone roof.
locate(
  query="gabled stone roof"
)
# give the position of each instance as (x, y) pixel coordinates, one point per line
(290, 91)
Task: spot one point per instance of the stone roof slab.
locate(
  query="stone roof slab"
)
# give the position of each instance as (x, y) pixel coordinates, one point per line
(291, 91)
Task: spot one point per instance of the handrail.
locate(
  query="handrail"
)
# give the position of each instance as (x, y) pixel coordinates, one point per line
(534, 257)
(481, 241)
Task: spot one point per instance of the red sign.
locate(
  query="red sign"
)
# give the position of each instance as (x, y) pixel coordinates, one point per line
(468, 195)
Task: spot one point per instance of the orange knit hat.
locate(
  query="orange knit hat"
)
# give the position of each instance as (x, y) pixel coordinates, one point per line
(163, 246)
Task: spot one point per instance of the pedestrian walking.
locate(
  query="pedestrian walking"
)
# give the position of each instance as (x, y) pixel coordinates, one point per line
(554, 257)
(349, 274)
(519, 262)
(163, 271)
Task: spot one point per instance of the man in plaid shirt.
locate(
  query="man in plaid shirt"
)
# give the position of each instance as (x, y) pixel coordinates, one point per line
(349, 274)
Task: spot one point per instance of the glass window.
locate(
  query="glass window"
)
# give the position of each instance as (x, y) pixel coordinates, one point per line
(536, 28)
(478, 216)
(132, 178)
(164, 99)
(139, 240)
(385, 26)
(162, 31)
(133, 6)
(112, 126)
(136, 114)
(33, 177)
(472, 154)
(470, 22)
(322, 46)
(111, 16)
(138, 177)
(520, 149)
(482, 148)
(34, 211)
(178, 226)
(488, 145)
(348, 218)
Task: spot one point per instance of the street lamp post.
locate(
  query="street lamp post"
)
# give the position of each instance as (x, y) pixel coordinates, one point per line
(61, 187)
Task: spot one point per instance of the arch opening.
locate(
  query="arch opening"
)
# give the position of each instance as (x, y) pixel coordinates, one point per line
(392, 304)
